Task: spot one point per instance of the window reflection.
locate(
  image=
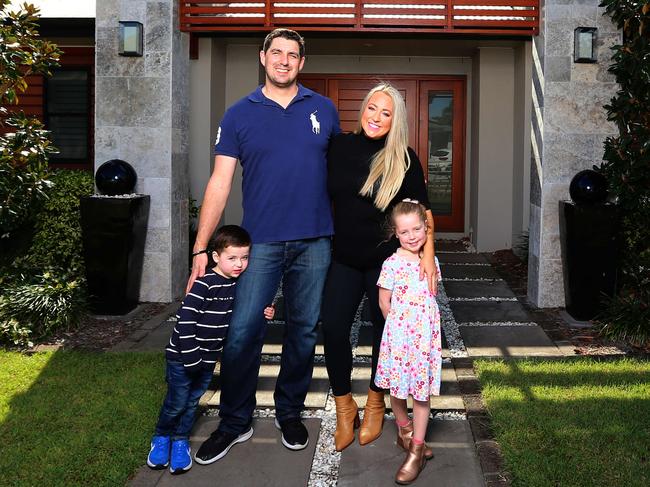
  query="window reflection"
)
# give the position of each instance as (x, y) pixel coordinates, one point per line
(439, 151)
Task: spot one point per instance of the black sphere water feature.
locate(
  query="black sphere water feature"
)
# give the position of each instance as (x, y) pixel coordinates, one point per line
(589, 238)
(115, 177)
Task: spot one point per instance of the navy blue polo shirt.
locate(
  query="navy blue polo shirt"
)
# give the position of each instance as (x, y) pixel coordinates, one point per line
(283, 153)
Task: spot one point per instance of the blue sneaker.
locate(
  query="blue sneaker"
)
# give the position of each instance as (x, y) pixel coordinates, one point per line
(159, 454)
(181, 458)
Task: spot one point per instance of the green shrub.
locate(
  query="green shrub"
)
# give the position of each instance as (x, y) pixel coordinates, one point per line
(11, 332)
(47, 304)
(25, 148)
(56, 241)
(627, 168)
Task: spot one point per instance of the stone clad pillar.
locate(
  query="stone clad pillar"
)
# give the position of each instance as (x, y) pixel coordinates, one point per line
(141, 116)
(568, 130)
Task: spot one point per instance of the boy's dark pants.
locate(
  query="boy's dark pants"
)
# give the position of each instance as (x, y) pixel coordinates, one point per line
(183, 393)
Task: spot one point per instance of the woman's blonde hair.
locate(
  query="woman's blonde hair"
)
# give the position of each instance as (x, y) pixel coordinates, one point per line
(389, 165)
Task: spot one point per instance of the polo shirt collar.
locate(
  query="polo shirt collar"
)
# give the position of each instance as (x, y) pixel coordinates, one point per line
(258, 97)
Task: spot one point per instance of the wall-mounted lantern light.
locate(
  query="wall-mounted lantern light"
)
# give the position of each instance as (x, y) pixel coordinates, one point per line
(130, 38)
(584, 45)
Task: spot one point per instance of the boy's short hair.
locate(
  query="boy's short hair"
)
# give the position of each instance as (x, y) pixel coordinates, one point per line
(230, 236)
(288, 34)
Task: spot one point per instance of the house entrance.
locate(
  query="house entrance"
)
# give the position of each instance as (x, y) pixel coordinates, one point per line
(436, 117)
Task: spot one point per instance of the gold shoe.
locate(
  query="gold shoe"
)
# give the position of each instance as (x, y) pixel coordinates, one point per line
(404, 437)
(347, 419)
(412, 466)
(373, 417)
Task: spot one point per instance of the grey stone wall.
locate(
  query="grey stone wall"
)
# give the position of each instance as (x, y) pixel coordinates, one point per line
(141, 116)
(568, 130)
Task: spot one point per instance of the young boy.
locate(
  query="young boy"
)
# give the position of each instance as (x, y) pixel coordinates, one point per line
(195, 345)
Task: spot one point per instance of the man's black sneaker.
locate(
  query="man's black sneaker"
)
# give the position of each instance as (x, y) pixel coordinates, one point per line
(218, 445)
(294, 433)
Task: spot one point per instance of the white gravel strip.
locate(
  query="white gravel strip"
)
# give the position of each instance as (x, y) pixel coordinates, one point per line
(449, 326)
(326, 462)
(495, 299)
(450, 416)
(470, 279)
(497, 323)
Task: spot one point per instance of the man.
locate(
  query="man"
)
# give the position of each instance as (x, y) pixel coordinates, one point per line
(280, 134)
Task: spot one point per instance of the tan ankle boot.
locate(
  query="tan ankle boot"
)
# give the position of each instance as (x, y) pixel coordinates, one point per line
(413, 464)
(404, 437)
(347, 419)
(373, 417)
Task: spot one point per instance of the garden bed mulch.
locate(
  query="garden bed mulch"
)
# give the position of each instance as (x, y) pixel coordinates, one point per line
(99, 333)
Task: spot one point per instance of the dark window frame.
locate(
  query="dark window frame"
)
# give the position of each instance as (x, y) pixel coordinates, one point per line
(69, 163)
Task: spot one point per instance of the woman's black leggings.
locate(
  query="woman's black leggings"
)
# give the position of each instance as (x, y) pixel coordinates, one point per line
(343, 293)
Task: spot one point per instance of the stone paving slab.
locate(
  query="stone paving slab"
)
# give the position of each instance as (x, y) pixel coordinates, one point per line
(468, 271)
(464, 258)
(507, 341)
(469, 311)
(455, 463)
(316, 396)
(478, 289)
(155, 339)
(449, 398)
(274, 335)
(364, 343)
(261, 461)
(450, 246)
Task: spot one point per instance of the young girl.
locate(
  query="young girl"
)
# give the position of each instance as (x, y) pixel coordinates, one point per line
(410, 357)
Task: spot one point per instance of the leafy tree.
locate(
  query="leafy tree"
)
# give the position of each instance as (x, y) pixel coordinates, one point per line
(25, 145)
(627, 168)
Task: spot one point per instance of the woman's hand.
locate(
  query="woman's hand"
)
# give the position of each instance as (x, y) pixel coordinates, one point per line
(428, 269)
(428, 261)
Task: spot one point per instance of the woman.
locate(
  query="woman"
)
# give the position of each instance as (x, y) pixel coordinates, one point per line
(369, 171)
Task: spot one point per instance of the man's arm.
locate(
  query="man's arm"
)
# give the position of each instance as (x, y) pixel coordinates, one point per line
(214, 201)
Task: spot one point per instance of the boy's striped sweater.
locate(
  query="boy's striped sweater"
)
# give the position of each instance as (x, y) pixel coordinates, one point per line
(202, 322)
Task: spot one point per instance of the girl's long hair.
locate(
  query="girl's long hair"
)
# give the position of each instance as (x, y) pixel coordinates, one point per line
(388, 165)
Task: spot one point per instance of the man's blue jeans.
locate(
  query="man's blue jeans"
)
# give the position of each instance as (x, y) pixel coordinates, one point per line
(301, 265)
(183, 393)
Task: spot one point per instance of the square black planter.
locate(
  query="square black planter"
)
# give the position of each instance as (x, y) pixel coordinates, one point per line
(114, 231)
(589, 239)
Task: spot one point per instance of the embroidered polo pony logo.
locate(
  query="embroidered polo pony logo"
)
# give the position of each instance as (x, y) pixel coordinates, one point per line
(315, 124)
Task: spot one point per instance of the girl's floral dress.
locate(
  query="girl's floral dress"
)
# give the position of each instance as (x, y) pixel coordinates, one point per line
(410, 356)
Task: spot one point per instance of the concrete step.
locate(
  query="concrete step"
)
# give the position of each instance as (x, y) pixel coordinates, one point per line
(455, 463)
(364, 343)
(468, 271)
(508, 341)
(316, 396)
(488, 311)
(449, 399)
(262, 460)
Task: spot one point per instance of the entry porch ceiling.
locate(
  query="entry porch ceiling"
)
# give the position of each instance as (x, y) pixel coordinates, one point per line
(460, 17)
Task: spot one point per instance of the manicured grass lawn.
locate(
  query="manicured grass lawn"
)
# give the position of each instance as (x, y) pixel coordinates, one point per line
(571, 423)
(72, 419)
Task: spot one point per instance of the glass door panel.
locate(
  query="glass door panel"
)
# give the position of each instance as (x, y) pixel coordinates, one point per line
(440, 151)
(442, 148)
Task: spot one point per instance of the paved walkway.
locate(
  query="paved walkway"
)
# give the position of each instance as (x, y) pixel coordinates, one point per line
(482, 317)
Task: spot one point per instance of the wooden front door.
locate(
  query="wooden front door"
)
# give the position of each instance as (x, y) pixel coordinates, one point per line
(435, 108)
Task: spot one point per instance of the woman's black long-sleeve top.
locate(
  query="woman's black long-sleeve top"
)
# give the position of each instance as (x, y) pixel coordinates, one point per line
(360, 236)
